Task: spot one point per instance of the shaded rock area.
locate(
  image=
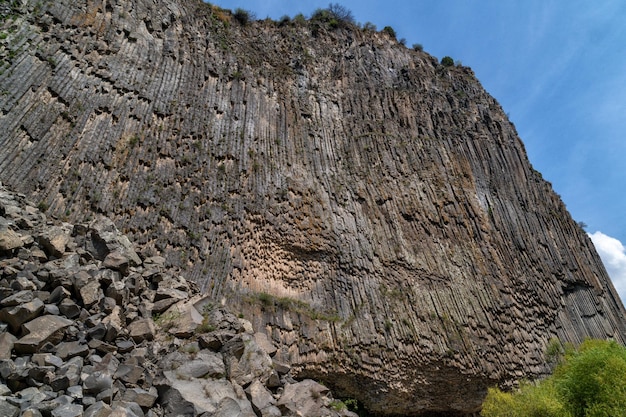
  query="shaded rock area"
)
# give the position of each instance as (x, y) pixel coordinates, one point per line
(370, 210)
(79, 335)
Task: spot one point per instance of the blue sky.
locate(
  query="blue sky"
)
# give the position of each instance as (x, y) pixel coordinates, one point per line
(558, 68)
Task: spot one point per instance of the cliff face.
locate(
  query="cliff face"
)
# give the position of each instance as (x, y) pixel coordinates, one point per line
(372, 211)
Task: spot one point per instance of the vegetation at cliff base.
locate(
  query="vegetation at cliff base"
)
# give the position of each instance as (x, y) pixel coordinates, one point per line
(588, 382)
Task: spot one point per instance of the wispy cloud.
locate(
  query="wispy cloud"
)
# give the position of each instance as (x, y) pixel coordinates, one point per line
(613, 255)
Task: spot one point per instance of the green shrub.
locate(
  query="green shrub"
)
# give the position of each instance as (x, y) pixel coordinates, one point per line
(446, 61)
(338, 405)
(243, 16)
(592, 380)
(529, 401)
(588, 382)
(285, 20)
(335, 14)
(369, 26)
(389, 31)
(133, 141)
(321, 15)
(340, 13)
(418, 47)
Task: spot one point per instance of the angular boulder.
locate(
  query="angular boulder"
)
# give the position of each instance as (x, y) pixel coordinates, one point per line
(44, 329)
(304, 398)
(20, 314)
(54, 240)
(142, 329)
(9, 239)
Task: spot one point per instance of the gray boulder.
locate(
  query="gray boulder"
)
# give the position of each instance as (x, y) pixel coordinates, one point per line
(126, 409)
(96, 382)
(54, 240)
(208, 395)
(145, 399)
(20, 314)
(7, 409)
(246, 360)
(142, 329)
(98, 409)
(187, 319)
(17, 298)
(9, 239)
(262, 400)
(304, 398)
(44, 329)
(7, 340)
(68, 410)
(105, 239)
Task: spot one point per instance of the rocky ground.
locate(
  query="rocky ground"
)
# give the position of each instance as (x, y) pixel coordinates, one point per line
(89, 328)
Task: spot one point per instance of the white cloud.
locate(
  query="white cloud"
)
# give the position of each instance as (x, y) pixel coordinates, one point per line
(613, 255)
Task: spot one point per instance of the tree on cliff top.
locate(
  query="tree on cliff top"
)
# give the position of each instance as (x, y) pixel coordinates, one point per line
(335, 15)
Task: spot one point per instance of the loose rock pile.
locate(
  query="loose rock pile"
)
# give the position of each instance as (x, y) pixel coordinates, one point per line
(88, 328)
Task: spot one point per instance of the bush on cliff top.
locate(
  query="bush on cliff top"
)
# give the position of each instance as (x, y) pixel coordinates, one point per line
(589, 382)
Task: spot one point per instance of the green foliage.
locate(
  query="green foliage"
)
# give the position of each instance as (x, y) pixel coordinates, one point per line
(554, 351)
(389, 31)
(335, 16)
(166, 320)
(530, 401)
(265, 298)
(592, 380)
(338, 405)
(418, 47)
(133, 140)
(340, 13)
(292, 304)
(205, 326)
(369, 26)
(243, 16)
(283, 21)
(588, 382)
(446, 61)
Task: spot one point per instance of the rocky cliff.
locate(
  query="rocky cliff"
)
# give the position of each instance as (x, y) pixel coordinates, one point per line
(370, 210)
(89, 329)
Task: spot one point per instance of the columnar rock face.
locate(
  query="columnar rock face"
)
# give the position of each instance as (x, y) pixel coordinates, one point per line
(373, 212)
(82, 337)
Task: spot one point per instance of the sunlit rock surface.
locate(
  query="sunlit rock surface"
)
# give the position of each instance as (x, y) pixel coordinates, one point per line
(371, 211)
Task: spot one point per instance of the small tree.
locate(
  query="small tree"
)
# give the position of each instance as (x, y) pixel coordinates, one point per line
(340, 13)
(369, 26)
(446, 61)
(389, 31)
(592, 381)
(334, 16)
(285, 20)
(243, 16)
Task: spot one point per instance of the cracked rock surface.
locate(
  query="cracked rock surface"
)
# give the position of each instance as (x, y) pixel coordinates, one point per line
(114, 355)
(370, 211)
